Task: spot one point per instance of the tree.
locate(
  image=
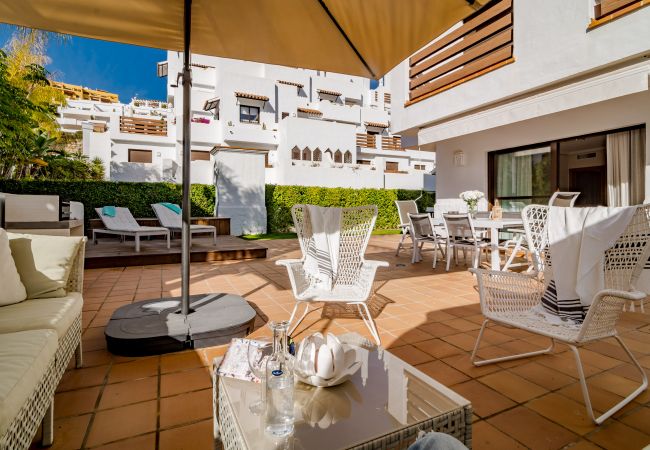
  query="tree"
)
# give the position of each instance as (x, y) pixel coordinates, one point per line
(17, 113)
(26, 61)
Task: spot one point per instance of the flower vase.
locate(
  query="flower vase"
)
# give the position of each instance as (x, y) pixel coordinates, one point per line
(472, 209)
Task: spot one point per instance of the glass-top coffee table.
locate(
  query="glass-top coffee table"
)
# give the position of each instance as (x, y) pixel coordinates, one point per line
(384, 406)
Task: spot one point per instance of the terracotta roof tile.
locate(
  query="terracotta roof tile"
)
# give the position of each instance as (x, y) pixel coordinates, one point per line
(263, 98)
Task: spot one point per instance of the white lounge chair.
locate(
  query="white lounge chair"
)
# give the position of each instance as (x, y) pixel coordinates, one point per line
(172, 221)
(355, 275)
(513, 299)
(123, 224)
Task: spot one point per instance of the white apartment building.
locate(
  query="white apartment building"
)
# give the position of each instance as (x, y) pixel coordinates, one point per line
(314, 128)
(530, 96)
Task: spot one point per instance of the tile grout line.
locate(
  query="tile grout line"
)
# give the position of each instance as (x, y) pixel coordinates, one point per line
(158, 402)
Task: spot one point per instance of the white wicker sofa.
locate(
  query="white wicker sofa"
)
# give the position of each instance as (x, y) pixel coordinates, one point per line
(38, 338)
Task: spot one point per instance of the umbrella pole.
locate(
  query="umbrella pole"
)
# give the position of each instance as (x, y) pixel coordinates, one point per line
(186, 206)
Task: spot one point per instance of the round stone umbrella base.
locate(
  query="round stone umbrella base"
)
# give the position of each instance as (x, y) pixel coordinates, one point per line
(153, 327)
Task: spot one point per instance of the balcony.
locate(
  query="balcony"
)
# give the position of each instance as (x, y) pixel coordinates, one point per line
(391, 143)
(483, 43)
(250, 135)
(207, 131)
(138, 125)
(366, 140)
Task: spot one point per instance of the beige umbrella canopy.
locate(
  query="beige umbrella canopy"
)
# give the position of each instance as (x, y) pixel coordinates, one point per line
(357, 37)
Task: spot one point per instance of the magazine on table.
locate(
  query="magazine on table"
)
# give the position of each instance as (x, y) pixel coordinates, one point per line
(235, 363)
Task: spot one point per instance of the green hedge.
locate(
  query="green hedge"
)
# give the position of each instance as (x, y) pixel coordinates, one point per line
(138, 197)
(280, 199)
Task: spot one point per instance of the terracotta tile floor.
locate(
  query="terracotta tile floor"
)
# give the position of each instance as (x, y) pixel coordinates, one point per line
(428, 317)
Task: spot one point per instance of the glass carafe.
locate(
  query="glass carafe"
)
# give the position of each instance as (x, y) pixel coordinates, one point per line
(279, 384)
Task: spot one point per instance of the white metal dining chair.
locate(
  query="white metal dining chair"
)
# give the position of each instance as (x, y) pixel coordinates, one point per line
(514, 299)
(462, 235)
(353, 284)
(423, 232)
(404, 208)
(517, 244)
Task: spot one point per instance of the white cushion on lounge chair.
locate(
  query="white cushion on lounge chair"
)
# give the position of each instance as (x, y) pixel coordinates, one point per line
(56, 314)
(24, 358)
(13, 290)
(173, 221)
(124, 221)
(44, 262)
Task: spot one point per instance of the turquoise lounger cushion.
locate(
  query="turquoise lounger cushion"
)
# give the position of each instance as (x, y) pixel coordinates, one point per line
(172, 206)
(109, 211)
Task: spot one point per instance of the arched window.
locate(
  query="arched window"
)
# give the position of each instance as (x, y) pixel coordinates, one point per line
(295, 154)
(328, 153)
(338, 156)
(347, 158)
(318, 155)
(306, 154)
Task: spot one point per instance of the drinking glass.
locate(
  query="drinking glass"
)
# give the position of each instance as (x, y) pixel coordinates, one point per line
(259, 351)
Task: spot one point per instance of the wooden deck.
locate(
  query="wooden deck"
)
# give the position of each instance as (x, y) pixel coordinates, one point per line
(110, 252)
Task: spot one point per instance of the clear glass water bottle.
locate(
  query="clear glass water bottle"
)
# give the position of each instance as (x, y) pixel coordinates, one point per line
(279, 384)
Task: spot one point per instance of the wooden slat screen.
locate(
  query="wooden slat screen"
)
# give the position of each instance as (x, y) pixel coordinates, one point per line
(483, 42)
(391, 143)
(156, 127)
(606, 7)
(366, 140)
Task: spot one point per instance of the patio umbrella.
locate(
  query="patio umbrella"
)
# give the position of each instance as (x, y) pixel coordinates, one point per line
(357, 37)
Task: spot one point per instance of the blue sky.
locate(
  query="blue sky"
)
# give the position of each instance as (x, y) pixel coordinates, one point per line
(126, 70)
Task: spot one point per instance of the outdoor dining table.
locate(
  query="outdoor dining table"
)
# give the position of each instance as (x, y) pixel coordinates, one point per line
(493, 226)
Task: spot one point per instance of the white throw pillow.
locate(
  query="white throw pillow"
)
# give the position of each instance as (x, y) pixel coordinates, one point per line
(44, 262)
(12, 289)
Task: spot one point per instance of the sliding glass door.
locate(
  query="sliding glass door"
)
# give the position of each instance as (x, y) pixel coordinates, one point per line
(521, 177)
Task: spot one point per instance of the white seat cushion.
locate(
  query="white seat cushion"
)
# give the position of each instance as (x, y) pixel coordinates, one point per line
(13, 290)
(56, 314)
(24, 358)
(44, 262)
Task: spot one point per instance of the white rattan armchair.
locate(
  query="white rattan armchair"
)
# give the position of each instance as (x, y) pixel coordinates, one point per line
(355, 275)
(513, 299)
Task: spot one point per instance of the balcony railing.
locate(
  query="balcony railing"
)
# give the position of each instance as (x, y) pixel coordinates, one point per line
(483, 43)
(607, 7)
(137, 125)
(391, 143)
(366, 140)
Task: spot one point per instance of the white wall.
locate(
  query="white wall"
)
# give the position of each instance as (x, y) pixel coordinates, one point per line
(551, 44)
(617, 113)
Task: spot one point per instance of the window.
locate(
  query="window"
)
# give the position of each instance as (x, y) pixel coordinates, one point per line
(200, 155)
(249, 114)
(347, 158)
(295, 154)
(140, 156)
(392, 166)
(306, 155)
(338, 156)
(328, 153)
(420, 167)
(521, 177)
(364, 162)
(285, 114)
(318, 155)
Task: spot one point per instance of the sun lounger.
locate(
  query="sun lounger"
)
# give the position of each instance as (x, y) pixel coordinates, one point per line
(123, 224)
(172, 221)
